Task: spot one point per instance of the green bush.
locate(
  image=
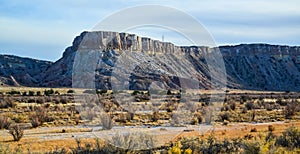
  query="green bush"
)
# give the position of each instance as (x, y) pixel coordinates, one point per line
(251, 147)
(70, 91)
(135, 93)
(249, 105)
(38, 93)
(31, 93)
(49, 92)
(14, 92)
(290, 138)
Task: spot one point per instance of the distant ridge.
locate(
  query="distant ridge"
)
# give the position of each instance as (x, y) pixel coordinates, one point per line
(17, 71)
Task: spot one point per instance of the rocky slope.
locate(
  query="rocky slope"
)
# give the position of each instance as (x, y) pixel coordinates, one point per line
(263, 66)
(18, 71)
(120, 60)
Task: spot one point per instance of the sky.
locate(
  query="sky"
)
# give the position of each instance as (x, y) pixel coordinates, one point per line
(42, 29)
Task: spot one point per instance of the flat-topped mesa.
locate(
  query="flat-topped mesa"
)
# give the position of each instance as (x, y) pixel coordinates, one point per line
(105, 40)
(259, 49)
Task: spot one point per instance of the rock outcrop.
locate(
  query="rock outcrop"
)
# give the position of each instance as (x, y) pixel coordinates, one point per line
(18, 71)
(263, 66)
(127, 60)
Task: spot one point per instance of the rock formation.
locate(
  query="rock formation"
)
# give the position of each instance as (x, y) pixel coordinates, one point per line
(17, 71)
(135, 62)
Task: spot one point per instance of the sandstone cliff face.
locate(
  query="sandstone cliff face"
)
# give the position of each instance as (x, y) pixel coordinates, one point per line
(21, 71)
(154, 63)
(263, 66)
(148, 61)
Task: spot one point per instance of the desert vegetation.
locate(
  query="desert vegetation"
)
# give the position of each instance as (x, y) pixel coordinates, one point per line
(139, 143)
(54, 107)
(28, 109)
(17, 132)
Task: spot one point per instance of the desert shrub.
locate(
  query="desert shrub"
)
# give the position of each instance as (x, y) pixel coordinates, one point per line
(291, 108)
(244, 98)
(133, 141)
(251, 147)
(253, 130)
(198, 119)
(271, 128)
(155, 116)
(31, 100)
(135, 92)
(39, 117)
(35, 121)
(4, 122)
(225, 116)
(232, 105)
(290, 138)
(209, 145)
(17, 132)
(249, 105)
(31, 93)
(64, 100)
(56, 100)
(70, 91)
(270, 136)
(99, 148)
(208, 115)
(176, 119)
(88, 115)
(281, 102)
(14, 92)
(248, 137)
(40, 100)
(129, 116)
(56, 93)
(269, 107)
(244, 110)
(191, 106)
(19, 118)
(106, 121)
(7, 103)
(169, 109)
(38, 93)
(49, 92)
(169, 92)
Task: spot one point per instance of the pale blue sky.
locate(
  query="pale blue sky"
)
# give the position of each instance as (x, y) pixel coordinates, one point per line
(44, 28)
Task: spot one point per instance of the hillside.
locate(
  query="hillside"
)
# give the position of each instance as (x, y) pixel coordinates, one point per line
(18, 71)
